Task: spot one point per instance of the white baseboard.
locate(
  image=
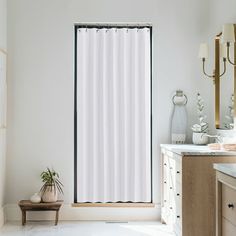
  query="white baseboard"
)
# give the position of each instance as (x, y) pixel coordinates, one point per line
(67, 212)
(2, 218)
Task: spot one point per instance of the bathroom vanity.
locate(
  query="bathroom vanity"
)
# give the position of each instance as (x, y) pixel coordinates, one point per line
(225, 199)
(188, 188)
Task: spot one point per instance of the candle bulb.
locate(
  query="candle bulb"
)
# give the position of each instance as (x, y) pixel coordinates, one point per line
(228, 33)
(223, 50)
(203, 51)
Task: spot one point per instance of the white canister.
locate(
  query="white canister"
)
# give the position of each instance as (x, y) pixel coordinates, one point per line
(36, 198)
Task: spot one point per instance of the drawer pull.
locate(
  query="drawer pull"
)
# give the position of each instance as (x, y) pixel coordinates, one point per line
(171, 208)
(230, 205)
(171, 188)
(178, 216)
(164, 182)
(171, 168)
(177, 194)
(165, 201)
(178, 172)
(164, 164)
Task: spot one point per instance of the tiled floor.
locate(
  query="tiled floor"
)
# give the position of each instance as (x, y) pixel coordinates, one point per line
(86, 229)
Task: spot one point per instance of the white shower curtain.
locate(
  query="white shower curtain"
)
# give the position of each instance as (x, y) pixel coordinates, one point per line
(113, 115)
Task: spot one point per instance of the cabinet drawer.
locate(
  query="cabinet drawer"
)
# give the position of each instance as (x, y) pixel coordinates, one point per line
(178, 226)
(176, 187)
(229, 203)
(178, 206)
(178, 167)
(165, 161)
(175, 170)
(165, 193)
(228, 229)
(175, 203)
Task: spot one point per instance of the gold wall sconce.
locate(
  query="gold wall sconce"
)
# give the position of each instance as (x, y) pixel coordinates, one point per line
(220, 52)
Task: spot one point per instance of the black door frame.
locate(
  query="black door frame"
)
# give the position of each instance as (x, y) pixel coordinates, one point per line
(100, 26)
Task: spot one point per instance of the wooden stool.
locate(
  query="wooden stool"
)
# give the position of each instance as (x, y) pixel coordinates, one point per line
(26, 205)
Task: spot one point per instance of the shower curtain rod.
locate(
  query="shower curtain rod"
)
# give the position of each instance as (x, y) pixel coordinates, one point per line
(100, 26)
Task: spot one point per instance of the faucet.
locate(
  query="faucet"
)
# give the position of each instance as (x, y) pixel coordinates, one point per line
(217, 137)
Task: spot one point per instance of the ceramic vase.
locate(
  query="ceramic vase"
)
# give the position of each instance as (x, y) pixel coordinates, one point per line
(50, 194)
(36, 198)
(200, 138)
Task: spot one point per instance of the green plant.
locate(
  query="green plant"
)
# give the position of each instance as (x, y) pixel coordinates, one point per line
(202, 126)
(50, 178)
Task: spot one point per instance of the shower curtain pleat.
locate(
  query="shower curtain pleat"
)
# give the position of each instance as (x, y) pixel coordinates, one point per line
(113, 110)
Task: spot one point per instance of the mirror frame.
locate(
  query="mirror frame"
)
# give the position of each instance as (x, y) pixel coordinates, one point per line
(217, 81)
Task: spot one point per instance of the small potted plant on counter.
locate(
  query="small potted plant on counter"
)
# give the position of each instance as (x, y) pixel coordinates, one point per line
(200, 129)
(51, 185)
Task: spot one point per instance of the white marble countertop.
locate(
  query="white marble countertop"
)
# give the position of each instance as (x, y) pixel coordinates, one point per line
(228, 169)
(195, 150)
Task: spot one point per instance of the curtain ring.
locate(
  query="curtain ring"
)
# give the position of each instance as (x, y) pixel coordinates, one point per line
(186, 99)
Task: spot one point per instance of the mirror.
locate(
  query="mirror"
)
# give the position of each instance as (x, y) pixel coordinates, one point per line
(225, 111)
(227, 96)
(224, 76)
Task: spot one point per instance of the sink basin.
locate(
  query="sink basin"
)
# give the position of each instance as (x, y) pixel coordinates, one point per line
(229, 146)
(222, 146)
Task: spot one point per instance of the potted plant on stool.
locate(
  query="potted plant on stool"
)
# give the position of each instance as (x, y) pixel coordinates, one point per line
(200, 129)
(51, 184)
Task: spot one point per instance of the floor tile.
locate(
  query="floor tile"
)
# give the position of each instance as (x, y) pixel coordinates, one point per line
(86, 229)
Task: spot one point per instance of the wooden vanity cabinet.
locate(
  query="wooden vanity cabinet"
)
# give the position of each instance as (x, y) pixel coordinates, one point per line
(225, 205)
(188, 192)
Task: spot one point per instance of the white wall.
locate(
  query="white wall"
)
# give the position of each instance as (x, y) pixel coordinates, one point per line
(40, 100)
(3, 46)
(3, 24)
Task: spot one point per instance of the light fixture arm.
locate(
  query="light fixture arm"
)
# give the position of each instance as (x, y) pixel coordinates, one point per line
(228, 56)
(213, 76)
(224, 60)
(204, 71)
